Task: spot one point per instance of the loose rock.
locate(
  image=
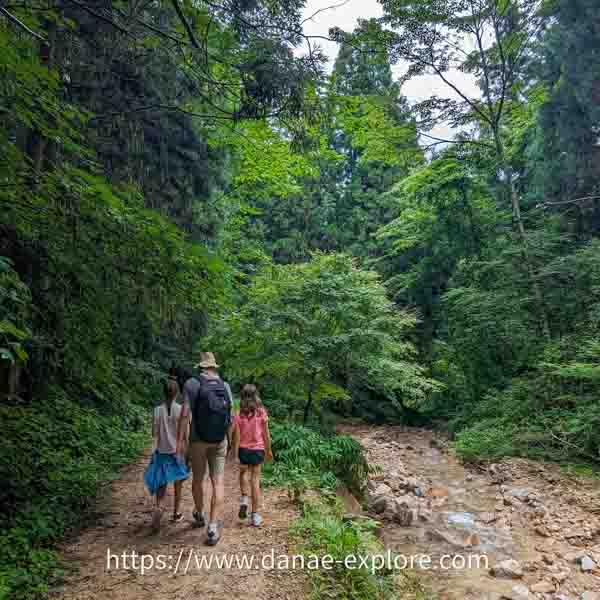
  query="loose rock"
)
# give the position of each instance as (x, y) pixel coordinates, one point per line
(587, 564)
(507, 569)
(378, 504)
(543, 587)
(519, 592)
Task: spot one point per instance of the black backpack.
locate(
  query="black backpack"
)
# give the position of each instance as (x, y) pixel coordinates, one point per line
(212, 410)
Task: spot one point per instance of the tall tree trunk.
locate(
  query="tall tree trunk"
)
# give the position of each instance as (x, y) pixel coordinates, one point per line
(535, 286)
(309, 399)
(520, 227)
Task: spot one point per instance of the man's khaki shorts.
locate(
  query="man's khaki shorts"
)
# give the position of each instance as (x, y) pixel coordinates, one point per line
(203, 453)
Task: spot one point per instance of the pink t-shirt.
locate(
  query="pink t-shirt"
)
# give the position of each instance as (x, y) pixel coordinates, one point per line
(251, 429)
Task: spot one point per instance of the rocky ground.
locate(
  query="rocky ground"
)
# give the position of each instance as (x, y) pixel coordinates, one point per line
(538, 528)
(123, 525)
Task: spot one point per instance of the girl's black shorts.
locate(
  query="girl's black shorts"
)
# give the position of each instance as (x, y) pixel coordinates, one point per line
(251, 457)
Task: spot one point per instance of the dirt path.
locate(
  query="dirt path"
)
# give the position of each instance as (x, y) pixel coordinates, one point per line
(123, 526)
(546, 523)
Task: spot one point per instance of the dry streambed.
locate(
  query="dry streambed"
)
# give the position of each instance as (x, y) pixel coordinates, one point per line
(518, 529)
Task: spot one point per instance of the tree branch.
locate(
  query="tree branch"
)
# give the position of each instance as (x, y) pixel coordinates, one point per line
(186, 24)
(455, 141)
(100, 16)
(22, 25)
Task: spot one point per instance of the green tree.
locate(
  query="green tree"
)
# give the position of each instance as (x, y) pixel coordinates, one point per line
(492, 41)
(325, 328)
(443, 214)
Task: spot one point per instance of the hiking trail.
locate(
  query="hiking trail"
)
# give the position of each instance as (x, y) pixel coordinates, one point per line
(123, 524)
(539, 527)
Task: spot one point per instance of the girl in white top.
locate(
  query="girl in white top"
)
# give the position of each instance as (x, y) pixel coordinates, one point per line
(166, 466)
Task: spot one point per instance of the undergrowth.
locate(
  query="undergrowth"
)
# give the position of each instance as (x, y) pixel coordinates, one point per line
(54, 458)
(322, 531)
(306, 459)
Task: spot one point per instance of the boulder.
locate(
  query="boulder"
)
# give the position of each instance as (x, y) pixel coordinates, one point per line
(351, 504)
(507, 569)
(378, 504)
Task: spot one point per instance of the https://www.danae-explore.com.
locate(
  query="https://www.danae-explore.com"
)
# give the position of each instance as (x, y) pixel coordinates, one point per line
(190, 560)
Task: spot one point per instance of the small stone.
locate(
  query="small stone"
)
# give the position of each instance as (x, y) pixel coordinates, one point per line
(507, 569)
(519, 592)
(472, 541)
(437, 492)
(543, 587)
(520, 494)
(541, 530)
(441, 536)
(487, 517)
(382, 489)
(561, 576)
(587, 564)
(574, 556)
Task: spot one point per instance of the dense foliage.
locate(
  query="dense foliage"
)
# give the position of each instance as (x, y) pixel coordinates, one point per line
(307, 459)
(320, 333)
(324, 530)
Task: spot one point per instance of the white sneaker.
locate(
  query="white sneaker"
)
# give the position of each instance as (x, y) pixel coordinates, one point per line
(256, 520)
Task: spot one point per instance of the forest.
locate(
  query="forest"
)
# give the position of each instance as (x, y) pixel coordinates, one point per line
(181, 176)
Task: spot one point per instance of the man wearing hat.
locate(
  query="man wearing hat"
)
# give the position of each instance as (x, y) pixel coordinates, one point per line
(207, 400)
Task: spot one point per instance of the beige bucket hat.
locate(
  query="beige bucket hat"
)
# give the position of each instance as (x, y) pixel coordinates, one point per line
(207, 361)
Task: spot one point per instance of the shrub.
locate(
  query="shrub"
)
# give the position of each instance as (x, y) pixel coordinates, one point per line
(305, 458)
(54, 456)
(322, 531)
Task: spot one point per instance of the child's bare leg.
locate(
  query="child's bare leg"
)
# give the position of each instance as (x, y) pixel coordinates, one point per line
(255, 485)
(177, 486)
(244, 492)
(160, 494)
(156, 518)
(244, 486)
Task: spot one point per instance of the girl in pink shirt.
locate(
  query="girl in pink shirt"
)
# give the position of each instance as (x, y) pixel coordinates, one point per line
(252, 444)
